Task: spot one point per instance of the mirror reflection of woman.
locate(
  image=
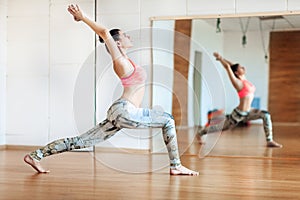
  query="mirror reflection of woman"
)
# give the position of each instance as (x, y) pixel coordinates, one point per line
(243, 112)
(124, 112)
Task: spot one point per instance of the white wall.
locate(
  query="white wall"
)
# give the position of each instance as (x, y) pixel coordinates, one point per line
(46, 51)
(27, 71)
(3, 64)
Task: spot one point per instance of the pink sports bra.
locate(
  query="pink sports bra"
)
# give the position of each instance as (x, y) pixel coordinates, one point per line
(137, 77)
(248, 88)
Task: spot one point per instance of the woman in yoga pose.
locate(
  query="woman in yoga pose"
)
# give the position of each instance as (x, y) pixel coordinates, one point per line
(124, 112)
(243, 112)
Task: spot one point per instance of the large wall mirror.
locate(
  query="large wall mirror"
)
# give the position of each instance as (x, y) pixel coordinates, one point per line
(188, 82)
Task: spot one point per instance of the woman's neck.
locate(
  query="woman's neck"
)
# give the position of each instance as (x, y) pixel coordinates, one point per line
(242, 77)
(123, 52)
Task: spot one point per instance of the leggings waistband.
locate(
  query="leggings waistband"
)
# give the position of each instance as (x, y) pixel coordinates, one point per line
(242, 113)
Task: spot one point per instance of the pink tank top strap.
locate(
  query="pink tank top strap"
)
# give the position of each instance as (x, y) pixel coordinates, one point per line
(248, 89)
(134, 69)
(137, 77)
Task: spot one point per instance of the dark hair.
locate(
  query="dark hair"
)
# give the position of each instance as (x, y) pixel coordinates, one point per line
(115, 33)
(234, 68)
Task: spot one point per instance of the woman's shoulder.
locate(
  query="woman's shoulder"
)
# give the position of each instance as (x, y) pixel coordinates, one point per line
(122, 61)
(122, 67)
(245, 81)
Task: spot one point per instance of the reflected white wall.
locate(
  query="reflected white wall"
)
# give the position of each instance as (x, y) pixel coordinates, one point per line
(252, 56)
(217, 91)
(205, 40)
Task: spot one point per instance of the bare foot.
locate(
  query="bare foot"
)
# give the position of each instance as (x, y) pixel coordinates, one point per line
(199, 139)
(181, 170)
(273, 144)
(35, 165)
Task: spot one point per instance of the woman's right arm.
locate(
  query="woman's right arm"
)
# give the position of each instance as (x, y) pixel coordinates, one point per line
(237, 84)
(99, 29)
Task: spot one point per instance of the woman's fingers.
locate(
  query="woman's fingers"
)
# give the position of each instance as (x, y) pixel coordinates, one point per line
(72, 10)
(75, 11)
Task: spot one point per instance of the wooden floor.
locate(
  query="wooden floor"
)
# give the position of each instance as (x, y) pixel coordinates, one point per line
(233, 165)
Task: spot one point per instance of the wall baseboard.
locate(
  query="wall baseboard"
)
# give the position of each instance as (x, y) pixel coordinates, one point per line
(21, 147)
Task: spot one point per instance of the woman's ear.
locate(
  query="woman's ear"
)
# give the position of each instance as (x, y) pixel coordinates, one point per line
(236, 74)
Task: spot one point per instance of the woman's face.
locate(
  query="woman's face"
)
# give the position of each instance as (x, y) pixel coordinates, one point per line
(240, 70)
(125, 41)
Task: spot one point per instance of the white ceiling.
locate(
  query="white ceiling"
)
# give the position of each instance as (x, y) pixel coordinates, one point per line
(289, 22)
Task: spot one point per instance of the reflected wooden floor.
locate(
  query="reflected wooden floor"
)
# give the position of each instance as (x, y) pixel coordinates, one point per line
(245, 142)
(232, 165)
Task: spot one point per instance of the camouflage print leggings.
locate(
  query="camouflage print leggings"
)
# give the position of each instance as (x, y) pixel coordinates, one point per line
(237, 116)
(122, 114)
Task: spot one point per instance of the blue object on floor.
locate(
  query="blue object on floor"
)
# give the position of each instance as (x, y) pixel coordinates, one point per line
(256, 103)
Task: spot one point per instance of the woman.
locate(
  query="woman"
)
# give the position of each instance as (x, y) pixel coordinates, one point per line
(125, 112)
(243, 112)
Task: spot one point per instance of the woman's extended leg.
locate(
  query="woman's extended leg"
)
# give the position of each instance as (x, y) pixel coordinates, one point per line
(99, 133)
